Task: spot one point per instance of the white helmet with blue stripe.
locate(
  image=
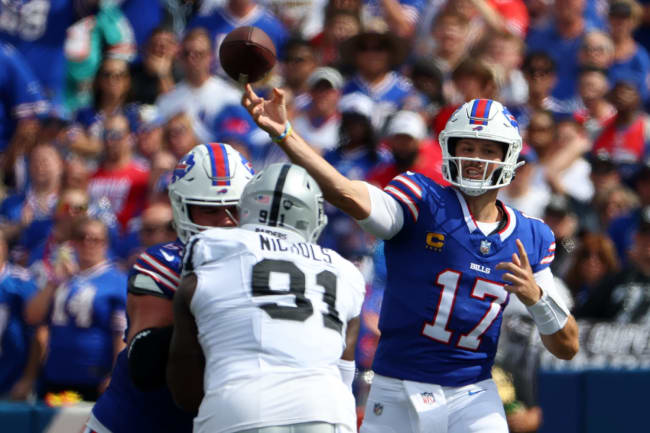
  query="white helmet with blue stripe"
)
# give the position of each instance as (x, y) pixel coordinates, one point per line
(212, 174)
(488, 120)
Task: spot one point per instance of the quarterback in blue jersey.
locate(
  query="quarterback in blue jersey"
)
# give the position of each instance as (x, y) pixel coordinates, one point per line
(454, 255)
(204, 192)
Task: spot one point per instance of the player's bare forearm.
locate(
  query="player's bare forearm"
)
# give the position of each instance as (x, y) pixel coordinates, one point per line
(351, 335)
(564, 343)
(186, 362)
(350, 196)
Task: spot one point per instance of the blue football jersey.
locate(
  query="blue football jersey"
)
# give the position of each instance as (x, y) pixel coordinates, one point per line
(87, 312)
(37, 28)
(443, 303)
(16, 287)
(22, 96)
(123, 408)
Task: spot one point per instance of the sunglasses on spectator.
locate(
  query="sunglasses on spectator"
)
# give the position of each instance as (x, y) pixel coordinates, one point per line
(199, 54)
(594, 48)
(151, 228)
(296, 59)
(90, 238)
(539, 72)
(176, 131)
(114, 74)
(115, 134)
(372, 47)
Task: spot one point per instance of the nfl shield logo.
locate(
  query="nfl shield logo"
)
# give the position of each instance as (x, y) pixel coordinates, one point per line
(485, 247)
(378, 408)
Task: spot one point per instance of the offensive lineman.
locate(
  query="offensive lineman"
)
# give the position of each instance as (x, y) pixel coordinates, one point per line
(204, 192)
(272, 312)
(454, 255)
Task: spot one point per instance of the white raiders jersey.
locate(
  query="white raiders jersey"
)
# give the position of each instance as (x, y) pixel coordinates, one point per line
(272, 314)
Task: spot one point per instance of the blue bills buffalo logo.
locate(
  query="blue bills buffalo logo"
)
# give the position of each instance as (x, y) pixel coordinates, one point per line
(183, 167)
(435, 241)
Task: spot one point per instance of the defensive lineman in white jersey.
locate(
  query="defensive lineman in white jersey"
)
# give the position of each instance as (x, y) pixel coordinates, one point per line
(272, 313)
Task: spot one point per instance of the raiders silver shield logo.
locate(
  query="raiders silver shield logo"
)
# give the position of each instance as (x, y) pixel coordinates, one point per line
(378, 408)
(485, 247)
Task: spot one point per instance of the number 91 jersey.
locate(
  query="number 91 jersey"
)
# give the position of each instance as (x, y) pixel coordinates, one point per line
(443, 303)
(271, 313)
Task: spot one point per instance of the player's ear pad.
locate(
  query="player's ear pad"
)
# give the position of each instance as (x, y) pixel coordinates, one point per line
(147, 355)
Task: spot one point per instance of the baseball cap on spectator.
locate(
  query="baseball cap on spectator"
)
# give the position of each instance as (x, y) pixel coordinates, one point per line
(558, 205)
(620, 9)
(356, 102)
(327, 74)
(407, 123)
(528, 154)
(602, 162)
(148, 118)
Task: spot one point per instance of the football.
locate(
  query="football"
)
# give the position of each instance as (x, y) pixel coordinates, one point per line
(247, 54)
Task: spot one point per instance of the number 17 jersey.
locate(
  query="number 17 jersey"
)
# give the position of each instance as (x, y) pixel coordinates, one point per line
(442, 308)
(271, 313)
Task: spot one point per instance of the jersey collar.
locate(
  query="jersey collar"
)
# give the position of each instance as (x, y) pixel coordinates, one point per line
(504, 232)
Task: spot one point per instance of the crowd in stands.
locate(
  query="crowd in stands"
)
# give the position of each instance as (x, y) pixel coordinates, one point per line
(99, 100)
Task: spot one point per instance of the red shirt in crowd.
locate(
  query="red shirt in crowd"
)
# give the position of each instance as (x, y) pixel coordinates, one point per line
(625, 145)
(428, 163)
(125, 188)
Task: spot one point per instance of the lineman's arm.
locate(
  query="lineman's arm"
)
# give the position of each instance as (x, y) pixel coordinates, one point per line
(350, 196)
(186, 361)
(346, 363)
(557, 327)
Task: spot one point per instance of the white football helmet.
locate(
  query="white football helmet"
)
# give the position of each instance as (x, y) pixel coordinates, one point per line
(284, 196)
(212, 174)
(488, 120)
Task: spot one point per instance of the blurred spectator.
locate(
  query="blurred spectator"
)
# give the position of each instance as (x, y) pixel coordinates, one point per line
(523, 194)
(298, 65)
(340, 25)
(20, 351)
(22, 101)
(622, 229)
(562, 40)
(179, 136)
(427, 79)
(85, 309)
(160, 176)
(540, 13)
(625, 136)
(319, 123)
(355, 156)
(154, 227)
(595, 261)
(54, 246)
(401, 16)
(157, 72)
(111, 89)
(38, 30)
(27, 216)
(562, 219)
(105, 34)
(472, 79)
(540, 73)
(566, 170)
(236, 13)
(521, 419)
(195, 95)
(612, 203)
(373, 54)
(75, 173)
(593, 88)
(450, 31)
(300, 17)
(625, 298)
(120, 179)
(405, 137)
(505, 54)
(631, 60)
(149, 134)
(597, 50)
